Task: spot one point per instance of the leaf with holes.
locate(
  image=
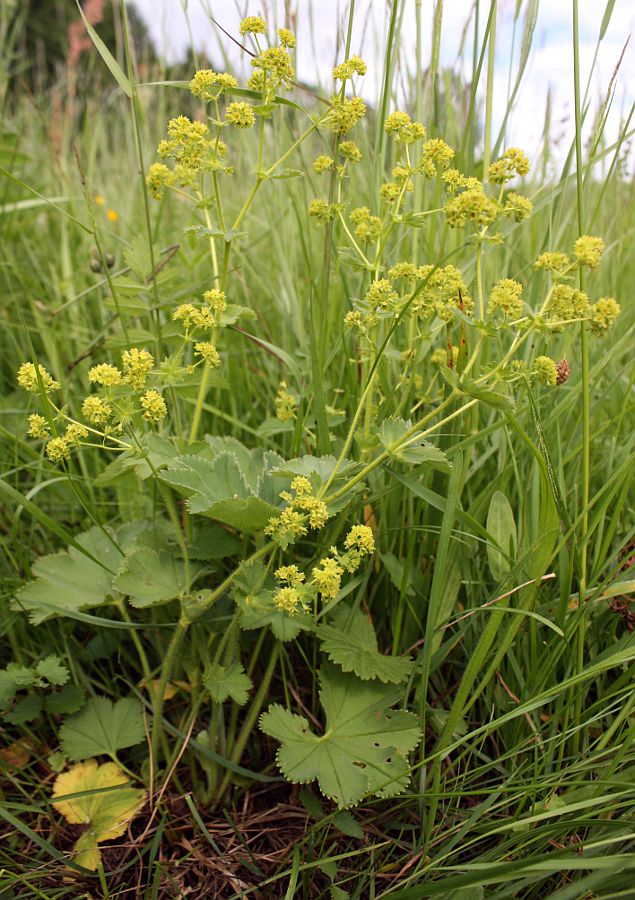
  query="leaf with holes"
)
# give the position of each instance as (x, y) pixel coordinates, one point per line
(351, 643)
(363, 748)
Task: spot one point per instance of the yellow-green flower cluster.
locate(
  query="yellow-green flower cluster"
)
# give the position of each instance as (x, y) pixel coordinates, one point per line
(159, 178)
(272, 69)
(472, 205)
(350, 151)
(588, 251)
(154, 408)
(352, 66)
(603, 314)
(444, 292)
(435, 154)
(512, 162)
(240, 114)
(290, 598)
(455, 181)
(566, 303)
(59, 448)
(208, 352)
(381, 295)
(406, 270)
(286, 37)
(367, 227)
(189, 145)
(320, 210)
(137, 365)
(28, 379)
(555, 262)
(390, 191)
(38, 427)
(506, 297)
(545, 371)
(344, 114)
(517, 207)
(327, 576)
(402, 129)
(322, 164)
(208, 84)
(285, 403)
(96, 411)
(303, 511)
(105, 374)
(252, 25)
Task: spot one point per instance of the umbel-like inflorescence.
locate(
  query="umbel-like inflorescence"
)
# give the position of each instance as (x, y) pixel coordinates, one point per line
(296, 594)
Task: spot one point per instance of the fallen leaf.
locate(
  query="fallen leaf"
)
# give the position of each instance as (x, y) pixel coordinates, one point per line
(106, 804)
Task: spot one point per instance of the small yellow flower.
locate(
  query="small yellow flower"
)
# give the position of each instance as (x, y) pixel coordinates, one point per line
(95, 410)
(208, 352)
(240, 114)
(286, 37)
(588, 250)
(252, 25)
(100, 200)
(75, 434)
(360, 538)
(58, 449)
(28, 378)
(154, 406)
(38, 427)
(291, 574)
(136, 366)
(111, 215)
(545, 370)
(105, 374)
(328, 578)
(287, 600)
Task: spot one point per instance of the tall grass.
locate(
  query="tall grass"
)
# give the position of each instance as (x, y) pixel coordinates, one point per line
(522, 781)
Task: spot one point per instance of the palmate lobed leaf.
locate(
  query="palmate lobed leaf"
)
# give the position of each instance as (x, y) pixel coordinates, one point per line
(363, 749)
(108, 805)
(103, 727)
(233, 486)
(222, 682)
(351, 643)
(395, 429)
(150, 576)
(71, 580)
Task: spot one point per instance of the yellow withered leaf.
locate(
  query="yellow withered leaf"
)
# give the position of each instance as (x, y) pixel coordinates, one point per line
(106, 805)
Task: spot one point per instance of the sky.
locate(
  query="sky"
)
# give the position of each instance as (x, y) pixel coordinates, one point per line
(175, 24)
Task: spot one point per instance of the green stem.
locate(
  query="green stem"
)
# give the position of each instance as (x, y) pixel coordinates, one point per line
(252, 715)
(585, 374)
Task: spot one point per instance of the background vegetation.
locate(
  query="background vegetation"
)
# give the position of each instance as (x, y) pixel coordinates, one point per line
(522, 779)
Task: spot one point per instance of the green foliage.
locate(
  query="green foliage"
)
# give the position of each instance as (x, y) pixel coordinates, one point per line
(292, 421)
(232, 487)
(350, 641)
(364, 746)
(102, 727)
(227, 681)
